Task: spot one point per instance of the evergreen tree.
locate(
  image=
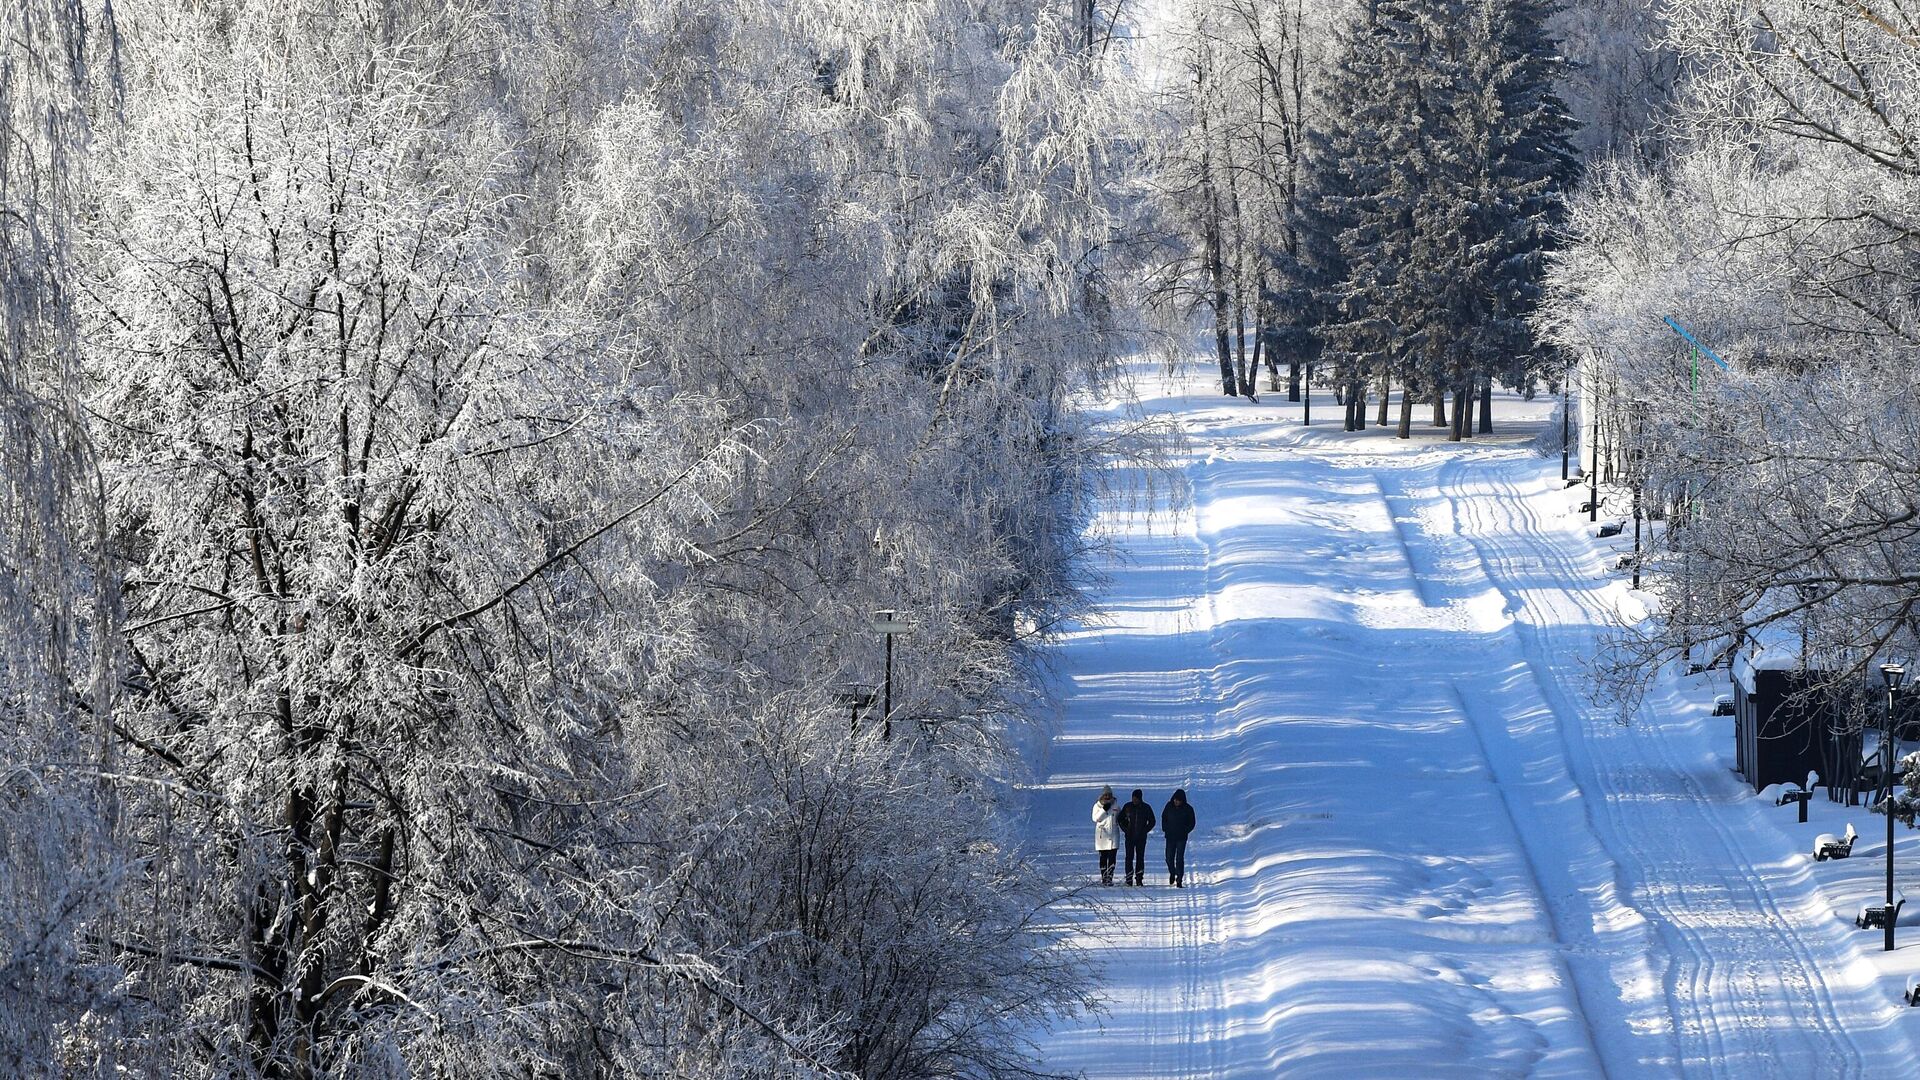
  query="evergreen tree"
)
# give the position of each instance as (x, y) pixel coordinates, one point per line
(1537, 164)
(1357, 194)
(1437, 183)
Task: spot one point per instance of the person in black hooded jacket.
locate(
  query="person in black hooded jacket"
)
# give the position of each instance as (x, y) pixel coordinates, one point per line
(1136, 820)
(1176, 823)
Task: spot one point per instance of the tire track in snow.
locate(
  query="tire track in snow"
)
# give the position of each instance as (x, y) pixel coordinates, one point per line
(1805, 976)
(1722, 987)
(1772, 965)
(1542, 834)
(1748, 987)
(1600, 797)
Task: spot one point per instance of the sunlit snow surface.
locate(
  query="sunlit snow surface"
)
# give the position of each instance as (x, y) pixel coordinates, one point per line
(1423, 852)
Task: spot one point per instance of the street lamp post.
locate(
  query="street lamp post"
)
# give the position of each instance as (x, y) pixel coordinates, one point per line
(1635, 482)
(1894, 674)
(1566, 408)
(1636, 464)
(887, 623)
(1593, 474)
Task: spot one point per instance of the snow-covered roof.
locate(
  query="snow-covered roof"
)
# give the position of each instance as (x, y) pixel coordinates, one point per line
(1773, 647)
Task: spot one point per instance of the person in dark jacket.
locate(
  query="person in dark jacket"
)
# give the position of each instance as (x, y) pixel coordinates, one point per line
(1176, 824)
(1136, 821)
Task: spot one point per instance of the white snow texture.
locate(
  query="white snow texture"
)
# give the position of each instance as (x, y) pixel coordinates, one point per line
(1423, 851)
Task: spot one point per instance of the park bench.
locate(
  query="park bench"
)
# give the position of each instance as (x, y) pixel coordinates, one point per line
(1828, 846)
(1790, 792)
(1877, 916)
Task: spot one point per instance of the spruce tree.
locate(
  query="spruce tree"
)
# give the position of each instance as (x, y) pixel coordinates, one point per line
(1537, 164)
(1438, 182)
(1357, 219)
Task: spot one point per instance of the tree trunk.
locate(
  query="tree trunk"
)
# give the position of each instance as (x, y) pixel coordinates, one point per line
(1439, 406)
(1486, 406)
(1216, 251)
(1455, 431)
(1357, 393)
(1243, 373)
(1224, 345)
(1406, 412)
(1293, 380)
(1386, 395)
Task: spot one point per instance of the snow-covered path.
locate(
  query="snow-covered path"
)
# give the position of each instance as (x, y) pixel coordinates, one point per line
(1422, 850)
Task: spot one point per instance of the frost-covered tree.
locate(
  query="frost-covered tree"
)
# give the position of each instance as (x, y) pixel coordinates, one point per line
(58, 861)
(508, 417)
(1776, 232)
(1226, 169)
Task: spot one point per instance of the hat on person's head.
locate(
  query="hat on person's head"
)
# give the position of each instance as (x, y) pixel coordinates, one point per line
(1180, 794)
(1106, 790)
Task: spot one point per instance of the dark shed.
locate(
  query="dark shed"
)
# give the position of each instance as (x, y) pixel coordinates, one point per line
(1781, 733)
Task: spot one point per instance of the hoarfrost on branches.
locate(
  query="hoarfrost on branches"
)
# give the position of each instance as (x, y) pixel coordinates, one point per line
(505, 421)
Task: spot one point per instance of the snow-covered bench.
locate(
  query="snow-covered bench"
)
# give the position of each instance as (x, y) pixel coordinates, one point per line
(1912, 996)
(1873, 916)
(1723, 705)
(1790, 792)
(1781, 794)
(1828, 846)
(1610, 529)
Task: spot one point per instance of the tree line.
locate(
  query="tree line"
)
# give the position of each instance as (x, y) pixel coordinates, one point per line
(1370, 193)
(1773, 222)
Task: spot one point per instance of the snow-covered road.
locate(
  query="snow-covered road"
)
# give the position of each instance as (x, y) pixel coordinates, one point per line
(1423, 851)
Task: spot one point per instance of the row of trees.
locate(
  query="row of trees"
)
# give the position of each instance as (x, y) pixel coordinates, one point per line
(1777, 225)
(450, 452)
(1372, 191)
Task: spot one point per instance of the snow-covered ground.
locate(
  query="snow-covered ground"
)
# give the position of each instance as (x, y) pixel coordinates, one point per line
(1423, 851)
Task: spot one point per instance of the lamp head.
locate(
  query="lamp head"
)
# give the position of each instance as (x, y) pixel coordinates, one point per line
(1895, 674)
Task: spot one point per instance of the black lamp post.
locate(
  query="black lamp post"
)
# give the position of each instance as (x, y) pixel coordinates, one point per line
(1593, 474)
(1894, 674)
(887, 623)
(1636, 464)
(1634, 481)
(1566, 407)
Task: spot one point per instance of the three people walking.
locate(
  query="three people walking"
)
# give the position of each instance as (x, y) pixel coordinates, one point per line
(1135, 821)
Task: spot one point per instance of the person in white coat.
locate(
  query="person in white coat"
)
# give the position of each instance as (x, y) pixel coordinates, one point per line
(1106, 833)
